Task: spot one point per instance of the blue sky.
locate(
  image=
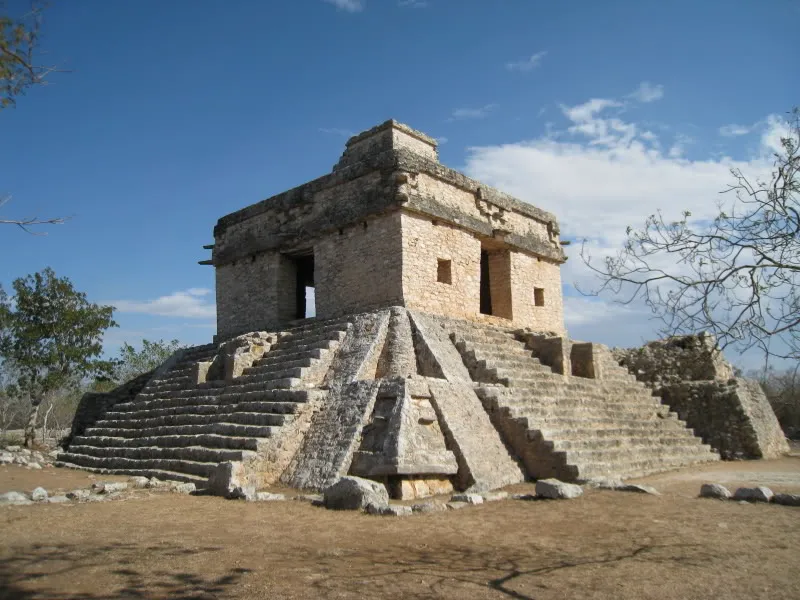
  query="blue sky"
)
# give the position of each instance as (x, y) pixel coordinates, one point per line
(176, 113)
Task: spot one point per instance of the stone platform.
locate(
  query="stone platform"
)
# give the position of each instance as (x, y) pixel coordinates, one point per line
(425, 404)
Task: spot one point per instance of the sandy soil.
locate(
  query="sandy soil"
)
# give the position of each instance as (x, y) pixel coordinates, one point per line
(603, 545)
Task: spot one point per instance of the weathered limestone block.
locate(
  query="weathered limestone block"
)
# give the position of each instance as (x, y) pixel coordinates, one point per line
(551, 349)
(39, 494)
(715, 490)
(786, 499)
(239, 353)
(355, 493)
(231, 480)
(555, 489)
(756, 494)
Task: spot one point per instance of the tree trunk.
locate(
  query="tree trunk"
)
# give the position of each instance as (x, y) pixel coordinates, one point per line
(30, 427)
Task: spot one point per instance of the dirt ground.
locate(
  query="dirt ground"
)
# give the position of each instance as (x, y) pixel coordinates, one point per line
(604, 545)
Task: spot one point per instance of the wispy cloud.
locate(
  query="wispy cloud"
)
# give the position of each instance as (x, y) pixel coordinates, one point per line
(460, 114)
(412, 3)
(190, 304)
(347, 5)
(337, 131)
(734, 130)
(441, 140)
(527, 64)
(647, 92)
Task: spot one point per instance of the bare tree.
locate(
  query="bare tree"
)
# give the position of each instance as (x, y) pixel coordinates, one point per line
(737, 276)
(19, 71)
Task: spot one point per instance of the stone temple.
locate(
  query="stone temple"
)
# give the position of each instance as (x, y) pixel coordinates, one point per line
(437, 357)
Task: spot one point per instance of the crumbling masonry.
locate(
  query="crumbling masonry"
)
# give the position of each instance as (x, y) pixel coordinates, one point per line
(437, 358)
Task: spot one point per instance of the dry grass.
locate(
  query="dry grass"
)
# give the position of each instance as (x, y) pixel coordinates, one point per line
(604, 545)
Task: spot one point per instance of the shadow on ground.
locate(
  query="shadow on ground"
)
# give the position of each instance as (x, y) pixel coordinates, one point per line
(113, 565)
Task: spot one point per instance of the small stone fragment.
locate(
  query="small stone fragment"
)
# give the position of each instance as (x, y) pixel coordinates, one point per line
(107, 487)
(555, 489)
(20, 460)
(392, 510)
(456, 505)
(139, 482)
(34, 465)
(57, 499)
(247, 492)
(467, 498)
(523, 496)
(315, 499)
(787, 499)
(714, 490)
(154, 484)
(269, 497)
(184, 488)
(605, 483)
(638, 488)
(13, 448)
(15, 498)
(39, 494)
(756, 494)
(494, 496)
(428, 507)
(79, 494)
(6, 458)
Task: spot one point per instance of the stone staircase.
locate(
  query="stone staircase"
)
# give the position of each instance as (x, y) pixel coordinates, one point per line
(178, 429)
(573, 428)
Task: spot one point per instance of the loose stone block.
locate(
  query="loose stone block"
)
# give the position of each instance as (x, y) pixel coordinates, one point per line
(555, 489)
(756, 494)
(16, 498)
(39, 494)
(715, 490)
(467, 498)
(786, 499)
(355, 493)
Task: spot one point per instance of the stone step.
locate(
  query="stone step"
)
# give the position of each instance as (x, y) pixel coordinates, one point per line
(632, 453)
(643, 467)
(567, 420)
(232, 429)
(208, 409)
(312, 336)
(312, 324)
(288, 357)
(231, 395)
(610, 431)
(171, 441)
(183, 453)
(272, 373)
(293, 363)
(633, 440)
(242, 418)
(187, 467)
(293, 349)
(200, 482)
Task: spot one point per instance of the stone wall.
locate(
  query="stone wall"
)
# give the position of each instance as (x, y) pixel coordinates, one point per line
(94, 405)
(359, 267)
(732, 416)
(529, 273)
(676, 359)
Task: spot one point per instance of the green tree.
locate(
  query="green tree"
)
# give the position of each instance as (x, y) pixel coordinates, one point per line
(52, 336)
(133, 362)
(737, 276)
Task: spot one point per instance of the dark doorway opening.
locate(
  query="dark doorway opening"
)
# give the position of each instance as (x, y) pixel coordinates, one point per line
(486, 288)
(304, 288)
(496, 281)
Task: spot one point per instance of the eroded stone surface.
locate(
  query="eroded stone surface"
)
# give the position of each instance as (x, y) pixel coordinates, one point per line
(787, 499)
(39, 494)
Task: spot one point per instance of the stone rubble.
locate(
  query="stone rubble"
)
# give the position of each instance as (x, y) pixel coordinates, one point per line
(756, 494)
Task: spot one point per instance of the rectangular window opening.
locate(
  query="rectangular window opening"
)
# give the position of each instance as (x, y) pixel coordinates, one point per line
(444, 272)
(538, 296)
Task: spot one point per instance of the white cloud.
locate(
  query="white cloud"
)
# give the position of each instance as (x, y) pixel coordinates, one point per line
(598, 174)
(347, 5)
(734, 130)
(189, 304)
(472, 113)
(441, 140)
(412, 3)
(647, 92)
(527, 64)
